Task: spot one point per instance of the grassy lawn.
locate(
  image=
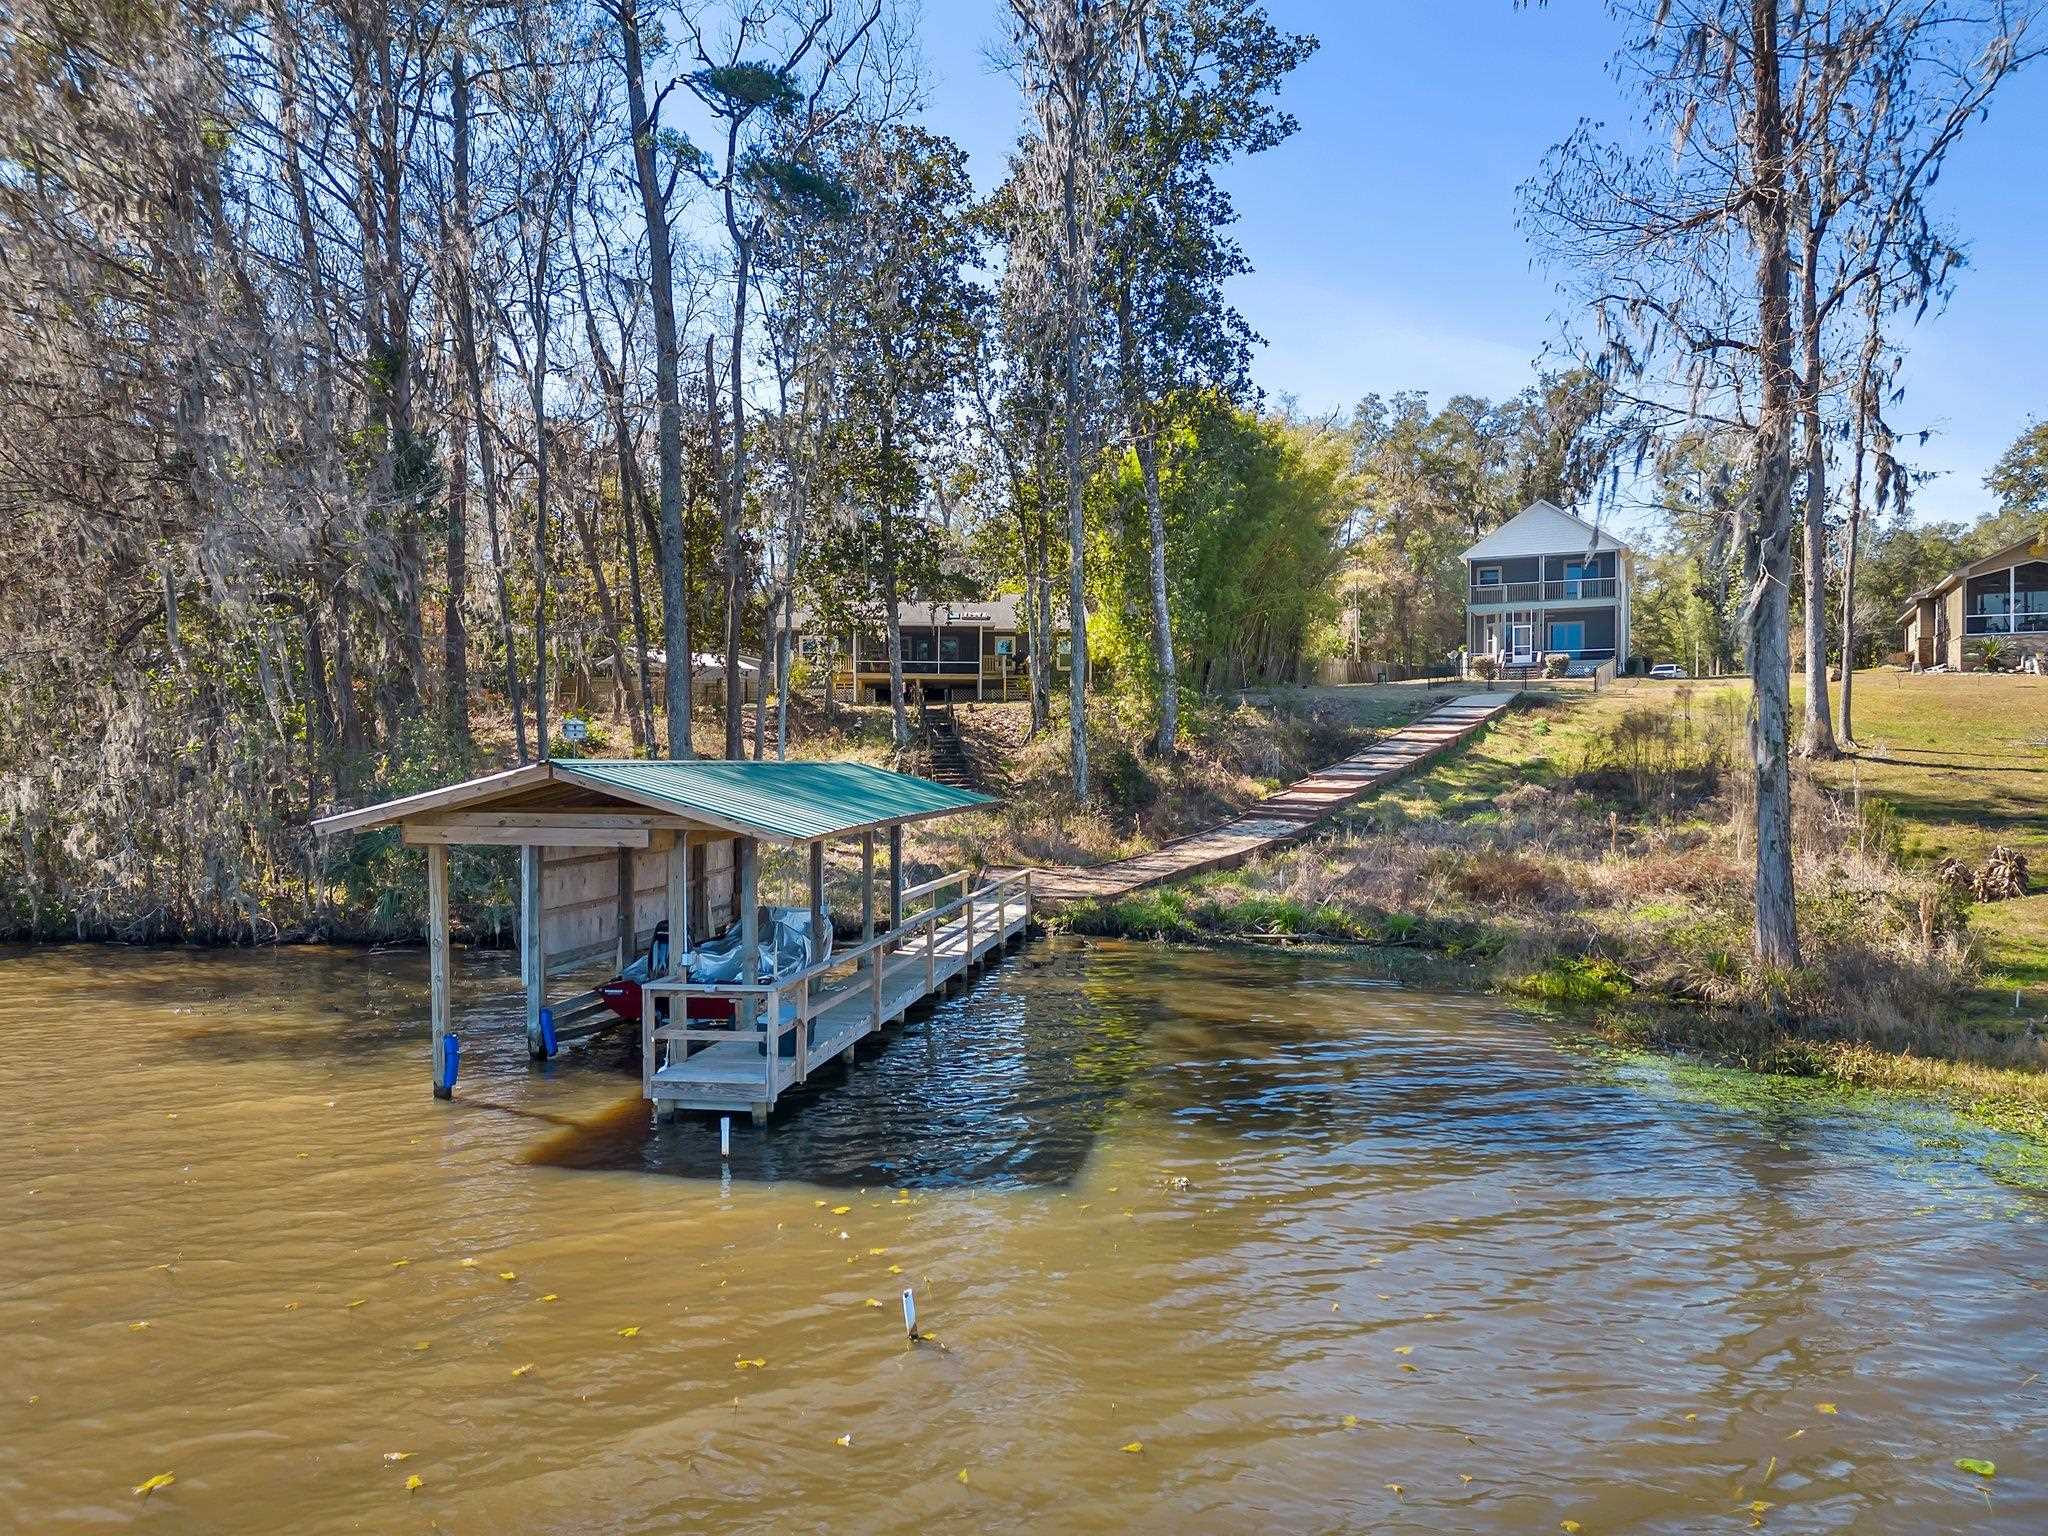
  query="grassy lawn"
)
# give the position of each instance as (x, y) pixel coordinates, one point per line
(1963, 758)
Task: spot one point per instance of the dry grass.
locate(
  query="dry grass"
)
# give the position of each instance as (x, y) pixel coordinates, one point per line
(1587, 854)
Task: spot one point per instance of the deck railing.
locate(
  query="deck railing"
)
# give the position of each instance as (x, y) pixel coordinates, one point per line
(757, 1006)
(1583, 589)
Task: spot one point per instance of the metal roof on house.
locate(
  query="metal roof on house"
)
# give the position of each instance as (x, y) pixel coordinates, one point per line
(1542, 529)
(788, 802)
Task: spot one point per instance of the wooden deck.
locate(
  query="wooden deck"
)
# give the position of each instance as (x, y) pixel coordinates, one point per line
(820, 1014)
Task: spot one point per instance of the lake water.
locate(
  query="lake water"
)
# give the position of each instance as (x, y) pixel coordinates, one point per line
(1332, 1254)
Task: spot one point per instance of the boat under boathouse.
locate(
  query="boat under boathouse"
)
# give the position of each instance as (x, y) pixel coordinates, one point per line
(653, 869)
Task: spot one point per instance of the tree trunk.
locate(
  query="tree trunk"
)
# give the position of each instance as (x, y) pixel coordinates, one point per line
(1070, 424)
(782, 667)
(1168, 739)
(1817, 734)
(472, 372)
(669, 550)
(1770, 538)
(454, 634)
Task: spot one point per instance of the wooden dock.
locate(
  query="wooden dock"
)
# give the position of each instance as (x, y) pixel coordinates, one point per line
(783, 1031)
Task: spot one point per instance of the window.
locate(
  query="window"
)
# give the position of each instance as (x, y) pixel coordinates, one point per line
(1006, 645)
(1568, 637)
(1486, 576)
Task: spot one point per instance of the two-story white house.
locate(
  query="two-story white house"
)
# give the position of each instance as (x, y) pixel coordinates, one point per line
(1544, 583)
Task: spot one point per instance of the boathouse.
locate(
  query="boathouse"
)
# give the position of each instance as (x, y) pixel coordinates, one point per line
(611, 848)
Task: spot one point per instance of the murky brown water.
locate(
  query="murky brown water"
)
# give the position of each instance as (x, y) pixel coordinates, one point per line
(1427, 1272)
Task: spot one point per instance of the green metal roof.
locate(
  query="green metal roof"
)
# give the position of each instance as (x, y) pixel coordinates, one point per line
(790, 802)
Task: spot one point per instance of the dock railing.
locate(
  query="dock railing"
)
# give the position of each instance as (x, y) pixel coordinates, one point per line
(758, 1006)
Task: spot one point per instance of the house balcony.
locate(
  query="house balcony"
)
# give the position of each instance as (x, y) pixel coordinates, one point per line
(2005, 623)
(1507, 594)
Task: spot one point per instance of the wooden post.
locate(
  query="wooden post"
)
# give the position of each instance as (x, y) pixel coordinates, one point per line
(437, 956)
(678, 906)
(867, 885)
(625, 910)
(818, 894)
(533, 969)
(895, 878)
(748, 1004)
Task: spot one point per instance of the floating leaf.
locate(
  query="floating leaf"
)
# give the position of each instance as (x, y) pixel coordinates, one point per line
(817, 1202)
(137, 1327)
(1976, 1465)
(291, 1306)
(1404, 1349)
(1394, 1489)
(1406, 1366)
(846, 1440)
(963, 1477)
(521, 1370)
(746, 1365)
(1464, 1477)
(895, 1269)
(872, 1302)
(1691, 1418)
(631, 1331)
(1825, 1407)
(1134, 1448)
(876, 1253)
(841, 1210)
(357, 1302)
(508, 1274)
(398, 1455)
(1758, 1506)
(150, 1485)
(414, 1483)
(1351, 1421)
(400, 1263)
(423, 1344)
(1569, 1527)
(551, 1296)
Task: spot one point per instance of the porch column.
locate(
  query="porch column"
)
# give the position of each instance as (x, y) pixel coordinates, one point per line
(532, 964)
(749, 1013)
(437, 960)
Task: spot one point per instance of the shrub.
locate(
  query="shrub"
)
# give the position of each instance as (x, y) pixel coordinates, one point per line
(1556, 664)
(1486, 668)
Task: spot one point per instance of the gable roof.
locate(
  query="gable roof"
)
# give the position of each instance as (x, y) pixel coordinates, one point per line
(2022, 551)
(1542, 529)
(791, 802)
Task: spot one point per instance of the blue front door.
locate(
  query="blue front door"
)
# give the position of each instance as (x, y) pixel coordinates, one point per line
(1568, 637)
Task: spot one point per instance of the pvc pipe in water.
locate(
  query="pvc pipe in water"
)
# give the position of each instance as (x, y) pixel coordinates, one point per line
(725, 1135)
(909, 1312)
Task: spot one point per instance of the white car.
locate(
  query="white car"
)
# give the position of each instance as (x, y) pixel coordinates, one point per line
(1668, 670)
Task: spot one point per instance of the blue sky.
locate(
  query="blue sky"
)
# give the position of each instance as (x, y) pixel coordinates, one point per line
(1384, 232)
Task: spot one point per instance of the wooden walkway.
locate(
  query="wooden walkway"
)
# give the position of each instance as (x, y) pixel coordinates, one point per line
(820, 1014)
(1280, 818)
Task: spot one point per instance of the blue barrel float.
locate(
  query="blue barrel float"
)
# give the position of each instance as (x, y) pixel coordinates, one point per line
(446, 1068)
(547, 1033)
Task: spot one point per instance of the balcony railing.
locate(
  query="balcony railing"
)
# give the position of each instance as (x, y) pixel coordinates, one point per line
(1586, 588)
(2005, 623)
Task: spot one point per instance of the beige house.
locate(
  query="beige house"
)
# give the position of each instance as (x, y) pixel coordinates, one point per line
(2000, 599)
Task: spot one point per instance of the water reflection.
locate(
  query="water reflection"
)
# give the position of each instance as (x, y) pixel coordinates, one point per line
(1339, 1256)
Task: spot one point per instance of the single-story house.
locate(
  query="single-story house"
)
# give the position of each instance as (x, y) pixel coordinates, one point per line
(2002, 598)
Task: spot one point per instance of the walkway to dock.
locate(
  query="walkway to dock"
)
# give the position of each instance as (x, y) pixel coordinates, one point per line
(1280, 818)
